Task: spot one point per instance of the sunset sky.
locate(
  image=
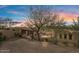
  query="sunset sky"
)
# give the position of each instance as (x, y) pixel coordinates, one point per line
(19, 12)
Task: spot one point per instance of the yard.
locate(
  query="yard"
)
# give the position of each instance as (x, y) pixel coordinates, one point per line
(25, 46)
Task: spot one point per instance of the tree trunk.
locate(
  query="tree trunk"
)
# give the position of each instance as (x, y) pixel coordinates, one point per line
(38, 36)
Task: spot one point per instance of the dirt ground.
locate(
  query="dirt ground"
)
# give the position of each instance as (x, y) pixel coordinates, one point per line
(25, 46)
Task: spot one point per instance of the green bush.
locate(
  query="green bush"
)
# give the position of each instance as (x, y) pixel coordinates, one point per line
(55, 41)
(65, 43)
(2, 38)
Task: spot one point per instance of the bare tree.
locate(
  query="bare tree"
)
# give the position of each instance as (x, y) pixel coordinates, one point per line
(57, 22)
(39, 17)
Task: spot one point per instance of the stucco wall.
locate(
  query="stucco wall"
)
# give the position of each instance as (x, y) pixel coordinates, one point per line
(9, 34)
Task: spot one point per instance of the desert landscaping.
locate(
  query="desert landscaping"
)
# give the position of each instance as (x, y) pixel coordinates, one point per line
(43, 30)
(25, 46)
(21, 44)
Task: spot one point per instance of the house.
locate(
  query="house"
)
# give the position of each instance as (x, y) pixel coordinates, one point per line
(64, 37)
(68, 38)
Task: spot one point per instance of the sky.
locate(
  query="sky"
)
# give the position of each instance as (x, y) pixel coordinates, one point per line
(20, 12)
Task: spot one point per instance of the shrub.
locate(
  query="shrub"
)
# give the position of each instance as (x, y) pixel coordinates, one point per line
(2, 38)
(66, 43)
(55, 41)
(17, 34)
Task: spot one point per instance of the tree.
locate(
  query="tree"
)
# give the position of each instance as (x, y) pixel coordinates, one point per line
(8, 21)
(57, 25)
(39, 17)
(57, 22)
(76, 24)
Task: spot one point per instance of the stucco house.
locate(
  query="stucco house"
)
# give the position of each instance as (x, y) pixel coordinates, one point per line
(68, 37)
(65, 37)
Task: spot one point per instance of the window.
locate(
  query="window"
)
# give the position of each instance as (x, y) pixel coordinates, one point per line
(60, 36)
(28, 33)
(70, 36)
(23, 32)
(65, 36)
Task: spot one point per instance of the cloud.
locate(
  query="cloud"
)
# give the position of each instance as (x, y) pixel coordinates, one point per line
(20, 15)
(68, 16)
(13, 12)
(16, 13)
(3, 6)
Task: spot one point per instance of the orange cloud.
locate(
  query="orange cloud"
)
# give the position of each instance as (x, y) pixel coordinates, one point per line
(68, 16)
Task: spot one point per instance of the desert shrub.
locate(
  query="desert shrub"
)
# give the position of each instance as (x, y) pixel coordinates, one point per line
(17, 34)
(13, 29)
(65, 43)
(2, 27)
(2, 38)
(0, 34)
(7, 28)
(55, 41)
